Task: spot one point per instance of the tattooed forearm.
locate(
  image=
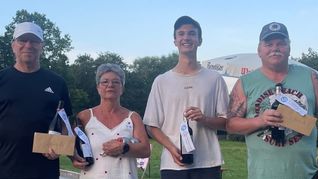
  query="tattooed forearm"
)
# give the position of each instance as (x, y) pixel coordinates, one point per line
(237, 105)
(238, 111)
(315, 84)
(315, 75)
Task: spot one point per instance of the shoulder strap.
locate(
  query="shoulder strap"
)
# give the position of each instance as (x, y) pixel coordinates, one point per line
(91, 111)
(130, 113)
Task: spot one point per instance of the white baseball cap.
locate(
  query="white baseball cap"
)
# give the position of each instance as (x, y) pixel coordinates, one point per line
(28, 27)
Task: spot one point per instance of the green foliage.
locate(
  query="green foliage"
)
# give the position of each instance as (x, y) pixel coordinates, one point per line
(79, 99)
(55, 46)
(109, 57)
(310, 59)
(6, 55)
(140, 78)
(149, 67)
(83, 71)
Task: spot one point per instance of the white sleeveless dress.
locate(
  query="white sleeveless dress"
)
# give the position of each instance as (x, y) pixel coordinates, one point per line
(108, 167)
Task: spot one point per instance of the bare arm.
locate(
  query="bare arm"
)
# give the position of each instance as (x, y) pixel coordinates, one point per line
(164, 140)
(194, 113)
(141, 149)
(236, 122)
(214, 122)
(314, 78)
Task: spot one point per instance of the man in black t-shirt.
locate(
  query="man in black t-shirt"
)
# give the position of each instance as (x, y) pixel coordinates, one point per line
(28, 101)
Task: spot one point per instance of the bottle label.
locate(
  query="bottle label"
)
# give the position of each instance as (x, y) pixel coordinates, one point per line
(54, 133)
(87, 152)
(86, 146)
(81, 135)
(284, 99)
(64, 117)
(186, 138)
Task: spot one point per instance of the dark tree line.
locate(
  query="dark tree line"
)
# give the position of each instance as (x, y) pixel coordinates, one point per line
(80, 76)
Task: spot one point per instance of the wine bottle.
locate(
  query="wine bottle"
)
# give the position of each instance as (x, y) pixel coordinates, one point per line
(56, 123)
(187, 157)
(278, 133)
(82, 144)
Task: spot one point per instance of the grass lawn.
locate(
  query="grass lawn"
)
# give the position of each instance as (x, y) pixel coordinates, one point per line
(234, 154)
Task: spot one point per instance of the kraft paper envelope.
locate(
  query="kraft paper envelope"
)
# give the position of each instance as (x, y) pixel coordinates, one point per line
(293, 120)
(61, 144)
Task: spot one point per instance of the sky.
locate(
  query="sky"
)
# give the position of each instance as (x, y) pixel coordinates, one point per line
(138, 28)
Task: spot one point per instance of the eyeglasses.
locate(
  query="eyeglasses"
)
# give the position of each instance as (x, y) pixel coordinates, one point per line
(107, 82)
(22, 42)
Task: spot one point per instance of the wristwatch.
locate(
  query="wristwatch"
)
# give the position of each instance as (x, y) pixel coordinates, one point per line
(125, 148)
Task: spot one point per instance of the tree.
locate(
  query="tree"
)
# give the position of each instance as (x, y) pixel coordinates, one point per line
(55, 46)
(80, 99)
(84, 72)
(83, 75)
(6, 56)
(310, 59)
(139, 80)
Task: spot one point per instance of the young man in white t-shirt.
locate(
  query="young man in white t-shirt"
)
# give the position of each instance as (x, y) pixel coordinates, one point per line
(192, 92)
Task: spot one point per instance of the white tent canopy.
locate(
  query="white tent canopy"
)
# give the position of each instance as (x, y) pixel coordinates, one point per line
(234, 66)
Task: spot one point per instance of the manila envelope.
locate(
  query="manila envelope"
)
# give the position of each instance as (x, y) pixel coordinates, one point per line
(61, 144)
(293, 120)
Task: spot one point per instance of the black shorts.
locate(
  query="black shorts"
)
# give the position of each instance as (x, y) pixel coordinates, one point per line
(201, 173)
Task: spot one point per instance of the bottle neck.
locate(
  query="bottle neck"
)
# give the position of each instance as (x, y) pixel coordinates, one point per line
(278, 90)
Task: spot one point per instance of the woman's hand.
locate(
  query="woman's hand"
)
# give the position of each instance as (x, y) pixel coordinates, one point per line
(113, 147)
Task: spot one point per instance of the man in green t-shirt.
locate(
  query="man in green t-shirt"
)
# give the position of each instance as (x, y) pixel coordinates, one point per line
(294, 155)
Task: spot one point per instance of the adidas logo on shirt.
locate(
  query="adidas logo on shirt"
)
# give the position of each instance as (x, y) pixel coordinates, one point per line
(49, 90)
